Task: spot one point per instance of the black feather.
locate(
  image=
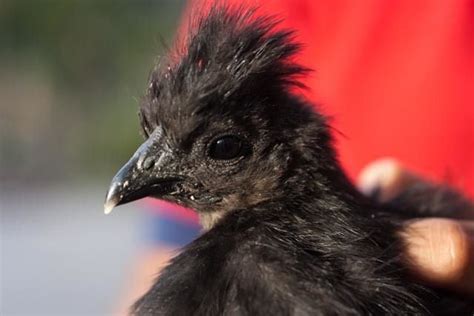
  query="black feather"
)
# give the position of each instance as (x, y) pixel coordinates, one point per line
(289, 233)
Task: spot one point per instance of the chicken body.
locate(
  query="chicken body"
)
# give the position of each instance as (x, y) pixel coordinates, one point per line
(286, 232)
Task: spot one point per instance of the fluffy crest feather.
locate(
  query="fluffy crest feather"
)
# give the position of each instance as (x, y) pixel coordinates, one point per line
(226, 55)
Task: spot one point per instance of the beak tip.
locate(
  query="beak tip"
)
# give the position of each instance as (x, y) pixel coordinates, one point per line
(111, 201)
(108, 208)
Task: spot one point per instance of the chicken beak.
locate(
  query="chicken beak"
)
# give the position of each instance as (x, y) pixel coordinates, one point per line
(145, 174)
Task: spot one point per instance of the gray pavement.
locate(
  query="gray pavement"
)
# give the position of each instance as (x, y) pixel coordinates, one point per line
(60, 255)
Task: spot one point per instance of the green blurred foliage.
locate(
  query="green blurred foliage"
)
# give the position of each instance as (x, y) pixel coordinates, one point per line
(72, 73)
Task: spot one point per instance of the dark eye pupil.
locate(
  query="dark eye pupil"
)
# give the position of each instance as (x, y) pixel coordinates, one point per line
(225, 148)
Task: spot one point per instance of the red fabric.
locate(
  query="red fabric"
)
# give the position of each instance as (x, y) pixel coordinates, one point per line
(397, 78)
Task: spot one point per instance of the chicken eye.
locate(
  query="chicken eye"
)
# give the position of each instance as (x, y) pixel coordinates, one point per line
(225, 148)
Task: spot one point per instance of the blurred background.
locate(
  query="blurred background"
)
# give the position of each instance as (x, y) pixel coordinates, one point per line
(71, 74)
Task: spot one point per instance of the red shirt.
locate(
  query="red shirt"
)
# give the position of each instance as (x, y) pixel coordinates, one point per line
(396, 77)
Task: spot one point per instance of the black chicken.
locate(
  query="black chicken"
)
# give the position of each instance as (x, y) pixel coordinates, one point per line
(286, 232)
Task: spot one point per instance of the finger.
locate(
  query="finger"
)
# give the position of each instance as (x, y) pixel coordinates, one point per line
(386, 177)
(441, 252)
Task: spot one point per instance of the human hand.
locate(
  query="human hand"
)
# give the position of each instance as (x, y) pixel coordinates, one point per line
(438, 251)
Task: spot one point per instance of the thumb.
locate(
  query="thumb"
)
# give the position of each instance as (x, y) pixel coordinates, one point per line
(441, 252)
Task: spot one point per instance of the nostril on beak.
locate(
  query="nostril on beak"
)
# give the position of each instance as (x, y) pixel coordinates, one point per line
(148, 163)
